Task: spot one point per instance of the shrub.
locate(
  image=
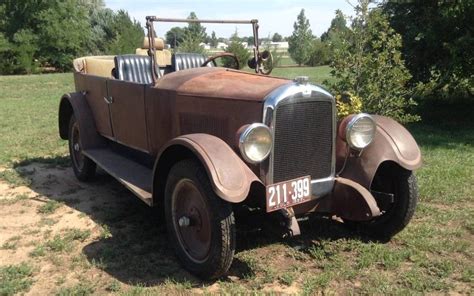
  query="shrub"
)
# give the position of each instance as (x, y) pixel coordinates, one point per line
(236, 47)
(368, 64)
(319, 54)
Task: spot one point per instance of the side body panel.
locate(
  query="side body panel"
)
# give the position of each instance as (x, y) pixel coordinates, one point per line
(95, 89)
(128, 115)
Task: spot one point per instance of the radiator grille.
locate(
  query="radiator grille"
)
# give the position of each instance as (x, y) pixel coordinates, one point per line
(303, 140)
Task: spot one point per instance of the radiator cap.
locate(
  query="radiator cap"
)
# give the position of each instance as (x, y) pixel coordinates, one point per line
(301, 79)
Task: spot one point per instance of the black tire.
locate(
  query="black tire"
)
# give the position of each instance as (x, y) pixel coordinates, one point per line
(189, 196)
(396, 216)
(84, 168)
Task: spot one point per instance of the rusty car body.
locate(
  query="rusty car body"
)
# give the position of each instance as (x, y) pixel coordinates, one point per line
(200, 142)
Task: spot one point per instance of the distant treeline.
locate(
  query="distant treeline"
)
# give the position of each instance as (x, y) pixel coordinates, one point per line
(50, 33)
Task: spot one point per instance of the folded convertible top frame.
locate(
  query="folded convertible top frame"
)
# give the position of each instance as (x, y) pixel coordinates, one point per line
(151, 34)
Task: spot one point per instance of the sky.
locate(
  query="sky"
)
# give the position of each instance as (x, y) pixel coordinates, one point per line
(274, 16)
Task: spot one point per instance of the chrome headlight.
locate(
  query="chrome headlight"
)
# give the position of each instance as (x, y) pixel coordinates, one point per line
(360, 131)
(255, 142)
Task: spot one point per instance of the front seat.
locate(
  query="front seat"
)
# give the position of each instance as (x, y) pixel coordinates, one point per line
(183, 61)
(135, 68)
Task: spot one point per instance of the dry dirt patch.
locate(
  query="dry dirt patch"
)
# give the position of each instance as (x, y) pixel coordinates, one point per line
(74, 232)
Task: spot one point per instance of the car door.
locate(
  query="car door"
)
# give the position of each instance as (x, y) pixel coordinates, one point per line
(127, 111)
(95, 89)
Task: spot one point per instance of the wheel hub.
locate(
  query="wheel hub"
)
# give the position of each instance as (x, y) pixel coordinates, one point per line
(184, 221)
(192, 220)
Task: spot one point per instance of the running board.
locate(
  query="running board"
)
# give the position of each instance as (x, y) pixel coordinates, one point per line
(137, 178)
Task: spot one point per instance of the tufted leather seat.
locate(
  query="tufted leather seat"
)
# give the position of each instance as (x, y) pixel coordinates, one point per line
(135, 68)
(182, 61)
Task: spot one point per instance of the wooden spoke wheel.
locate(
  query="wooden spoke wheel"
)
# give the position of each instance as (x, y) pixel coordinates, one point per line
(200, 224)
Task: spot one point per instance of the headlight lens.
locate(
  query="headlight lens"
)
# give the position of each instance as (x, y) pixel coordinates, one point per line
(255, 142)
(360, 131)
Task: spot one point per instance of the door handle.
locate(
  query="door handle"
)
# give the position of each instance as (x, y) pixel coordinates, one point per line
(109, 99)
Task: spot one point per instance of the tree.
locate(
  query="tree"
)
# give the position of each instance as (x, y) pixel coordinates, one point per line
(51, 31)
(319, 53)
(369, 65)
(338, 26)
(55, 32)
(277, 37)
(102, 32)
(195, 30)
(334, 36)
(213, 41)
(436, 42)
(191, 44)
(128, 34)
(238, 50)
(174, 36)
(250, 40)
(300, 41)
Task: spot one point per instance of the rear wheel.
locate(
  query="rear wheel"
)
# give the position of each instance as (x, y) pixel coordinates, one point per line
(200, 225)
(84, 168)
(402, 184)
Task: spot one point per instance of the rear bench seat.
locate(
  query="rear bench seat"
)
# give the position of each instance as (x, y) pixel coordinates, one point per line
(95, 65)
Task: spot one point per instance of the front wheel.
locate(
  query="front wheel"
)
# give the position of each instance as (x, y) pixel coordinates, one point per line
(402, 185)
(200, 225)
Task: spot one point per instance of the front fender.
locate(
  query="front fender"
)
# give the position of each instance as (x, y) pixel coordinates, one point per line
(230, 177)
(392, 142)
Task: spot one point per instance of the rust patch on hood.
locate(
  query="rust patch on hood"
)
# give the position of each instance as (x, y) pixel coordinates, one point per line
(220, 83)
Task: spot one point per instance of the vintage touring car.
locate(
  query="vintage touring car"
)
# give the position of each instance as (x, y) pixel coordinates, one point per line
(200, 142)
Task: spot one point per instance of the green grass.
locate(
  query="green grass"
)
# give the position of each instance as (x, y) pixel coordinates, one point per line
(28, 116)
(434, 254)
(49, 207)
(316, 74)
(15, 279)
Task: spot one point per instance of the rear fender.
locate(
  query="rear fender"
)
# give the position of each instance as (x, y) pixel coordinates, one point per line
(230, 177)
(76, 103)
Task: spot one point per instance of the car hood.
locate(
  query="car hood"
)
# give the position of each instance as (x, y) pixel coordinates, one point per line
(220, 83)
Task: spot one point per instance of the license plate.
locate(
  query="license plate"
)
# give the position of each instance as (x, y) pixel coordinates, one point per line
(288, 193)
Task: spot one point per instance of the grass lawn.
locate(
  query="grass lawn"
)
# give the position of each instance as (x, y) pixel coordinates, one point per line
(119, 248)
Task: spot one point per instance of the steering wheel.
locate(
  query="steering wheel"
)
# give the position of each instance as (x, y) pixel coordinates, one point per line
(221, 55)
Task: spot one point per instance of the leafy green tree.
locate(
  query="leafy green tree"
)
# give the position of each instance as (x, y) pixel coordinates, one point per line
(175, 36)
(238, 50)
(300, 41)
(319, 54)
(191, 43)
(437, 44)
(338, 25)
(195, 31)
(213, 40)
(369, 65)
(25, 46)
(102, 33)
(250, 41)
(51, 31)
(277, 37)
(128, 34)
